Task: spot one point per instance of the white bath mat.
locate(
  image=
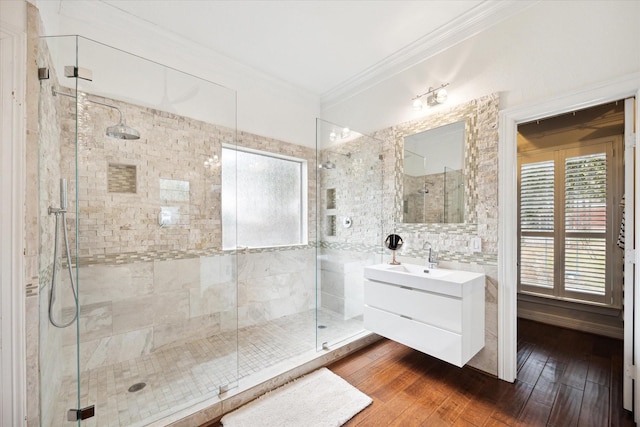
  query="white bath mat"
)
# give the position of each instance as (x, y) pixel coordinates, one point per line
(320, 399)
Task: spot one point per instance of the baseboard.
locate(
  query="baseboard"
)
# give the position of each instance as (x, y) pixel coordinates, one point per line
(611, 331)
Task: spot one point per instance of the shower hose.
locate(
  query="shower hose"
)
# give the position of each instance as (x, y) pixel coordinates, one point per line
(61, 213)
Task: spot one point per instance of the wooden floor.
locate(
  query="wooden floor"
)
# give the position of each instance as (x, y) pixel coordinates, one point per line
(565, 378)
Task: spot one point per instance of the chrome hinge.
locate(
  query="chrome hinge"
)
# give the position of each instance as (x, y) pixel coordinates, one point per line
(81, 414)
(629, 372)
(43, 73)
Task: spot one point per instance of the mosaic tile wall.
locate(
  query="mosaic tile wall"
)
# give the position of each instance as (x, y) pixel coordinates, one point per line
(353, 189)
(119, 212)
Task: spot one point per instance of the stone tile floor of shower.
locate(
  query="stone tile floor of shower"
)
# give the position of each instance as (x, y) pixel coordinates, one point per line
(181, 376)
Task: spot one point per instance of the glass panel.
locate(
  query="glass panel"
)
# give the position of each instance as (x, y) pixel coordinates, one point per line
(536, 261)
(349, 234)
(58, 332)
(585, 265)
(157, 325)
(537, 196)
(586, 213)
(586, 193)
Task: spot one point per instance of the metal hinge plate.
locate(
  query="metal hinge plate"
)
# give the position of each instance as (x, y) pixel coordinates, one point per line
(81, 414)
(630, 140)
(629, 372)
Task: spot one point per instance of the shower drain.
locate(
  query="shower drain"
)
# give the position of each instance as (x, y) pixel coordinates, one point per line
(137, 387)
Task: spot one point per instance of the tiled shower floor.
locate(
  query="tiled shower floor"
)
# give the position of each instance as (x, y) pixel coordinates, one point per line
(181, 376)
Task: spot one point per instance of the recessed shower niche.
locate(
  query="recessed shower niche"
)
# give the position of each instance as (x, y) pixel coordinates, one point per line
(121, 178)
(331, 198)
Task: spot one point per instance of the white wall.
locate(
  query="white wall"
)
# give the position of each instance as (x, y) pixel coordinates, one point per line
(266, 106)
(548, 49)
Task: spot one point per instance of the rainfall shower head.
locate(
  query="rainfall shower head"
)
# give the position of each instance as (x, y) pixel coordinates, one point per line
(121, 130)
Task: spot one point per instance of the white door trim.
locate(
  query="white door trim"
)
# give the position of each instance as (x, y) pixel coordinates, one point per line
(611, 90)
(13, 48)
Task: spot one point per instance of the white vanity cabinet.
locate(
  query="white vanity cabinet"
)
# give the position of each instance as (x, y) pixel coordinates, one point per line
(438, 312)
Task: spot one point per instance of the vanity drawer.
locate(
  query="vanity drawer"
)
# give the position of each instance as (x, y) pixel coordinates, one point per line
(437, 310)
(444, 345)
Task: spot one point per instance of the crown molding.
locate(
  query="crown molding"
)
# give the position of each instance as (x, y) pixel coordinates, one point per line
(476, 20)
(141, 36)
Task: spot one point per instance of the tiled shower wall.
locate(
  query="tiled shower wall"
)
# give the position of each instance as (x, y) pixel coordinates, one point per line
(352, 191)
(145, 286)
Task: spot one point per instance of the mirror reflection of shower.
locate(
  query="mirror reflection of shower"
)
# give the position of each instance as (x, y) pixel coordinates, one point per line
(120, 130)
(60, 214)
(328, 164)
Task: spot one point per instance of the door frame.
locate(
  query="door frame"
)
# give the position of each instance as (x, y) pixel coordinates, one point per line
(13, 64)
(600, 93)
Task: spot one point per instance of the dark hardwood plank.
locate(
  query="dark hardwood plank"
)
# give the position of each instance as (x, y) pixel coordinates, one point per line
(599, 370)
(534, 414)
(548, 384)
(595, 406)
(566, 410)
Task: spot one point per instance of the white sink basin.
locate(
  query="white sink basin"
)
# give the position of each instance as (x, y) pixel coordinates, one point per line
(440, 280)
(419, 270)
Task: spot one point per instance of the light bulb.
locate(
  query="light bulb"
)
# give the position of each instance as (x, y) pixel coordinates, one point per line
(417, 104)
(441, 96)
(332, 136)
(345, 133)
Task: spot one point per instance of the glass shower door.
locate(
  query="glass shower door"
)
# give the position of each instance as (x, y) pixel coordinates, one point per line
(349, 233)
(58, 326)
(140, 146)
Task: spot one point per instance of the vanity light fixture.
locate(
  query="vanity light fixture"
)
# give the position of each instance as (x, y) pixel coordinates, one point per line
(434, 96)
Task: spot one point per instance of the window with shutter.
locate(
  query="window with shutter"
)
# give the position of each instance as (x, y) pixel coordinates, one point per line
(565, 223)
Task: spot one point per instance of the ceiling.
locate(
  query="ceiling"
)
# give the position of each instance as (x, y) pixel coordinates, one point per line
(318, 46)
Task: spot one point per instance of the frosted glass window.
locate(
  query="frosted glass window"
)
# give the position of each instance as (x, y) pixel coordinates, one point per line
(262, 200)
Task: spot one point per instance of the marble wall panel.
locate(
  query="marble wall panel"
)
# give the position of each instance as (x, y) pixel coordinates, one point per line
(216, 270)
(133, 313)
(95, 323)
(177, 333)
(171, 307)
(105, 283)
(212, 299)
(172, 275)
(109, 350)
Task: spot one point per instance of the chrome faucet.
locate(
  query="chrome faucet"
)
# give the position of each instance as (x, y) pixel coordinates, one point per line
(432, 258)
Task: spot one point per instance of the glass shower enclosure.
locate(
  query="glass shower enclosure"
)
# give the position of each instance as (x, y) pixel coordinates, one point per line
(350, 179)
(138, 313)
(165, 283)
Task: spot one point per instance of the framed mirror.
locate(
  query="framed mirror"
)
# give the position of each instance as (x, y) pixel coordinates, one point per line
(434, 175)
(436, 169)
